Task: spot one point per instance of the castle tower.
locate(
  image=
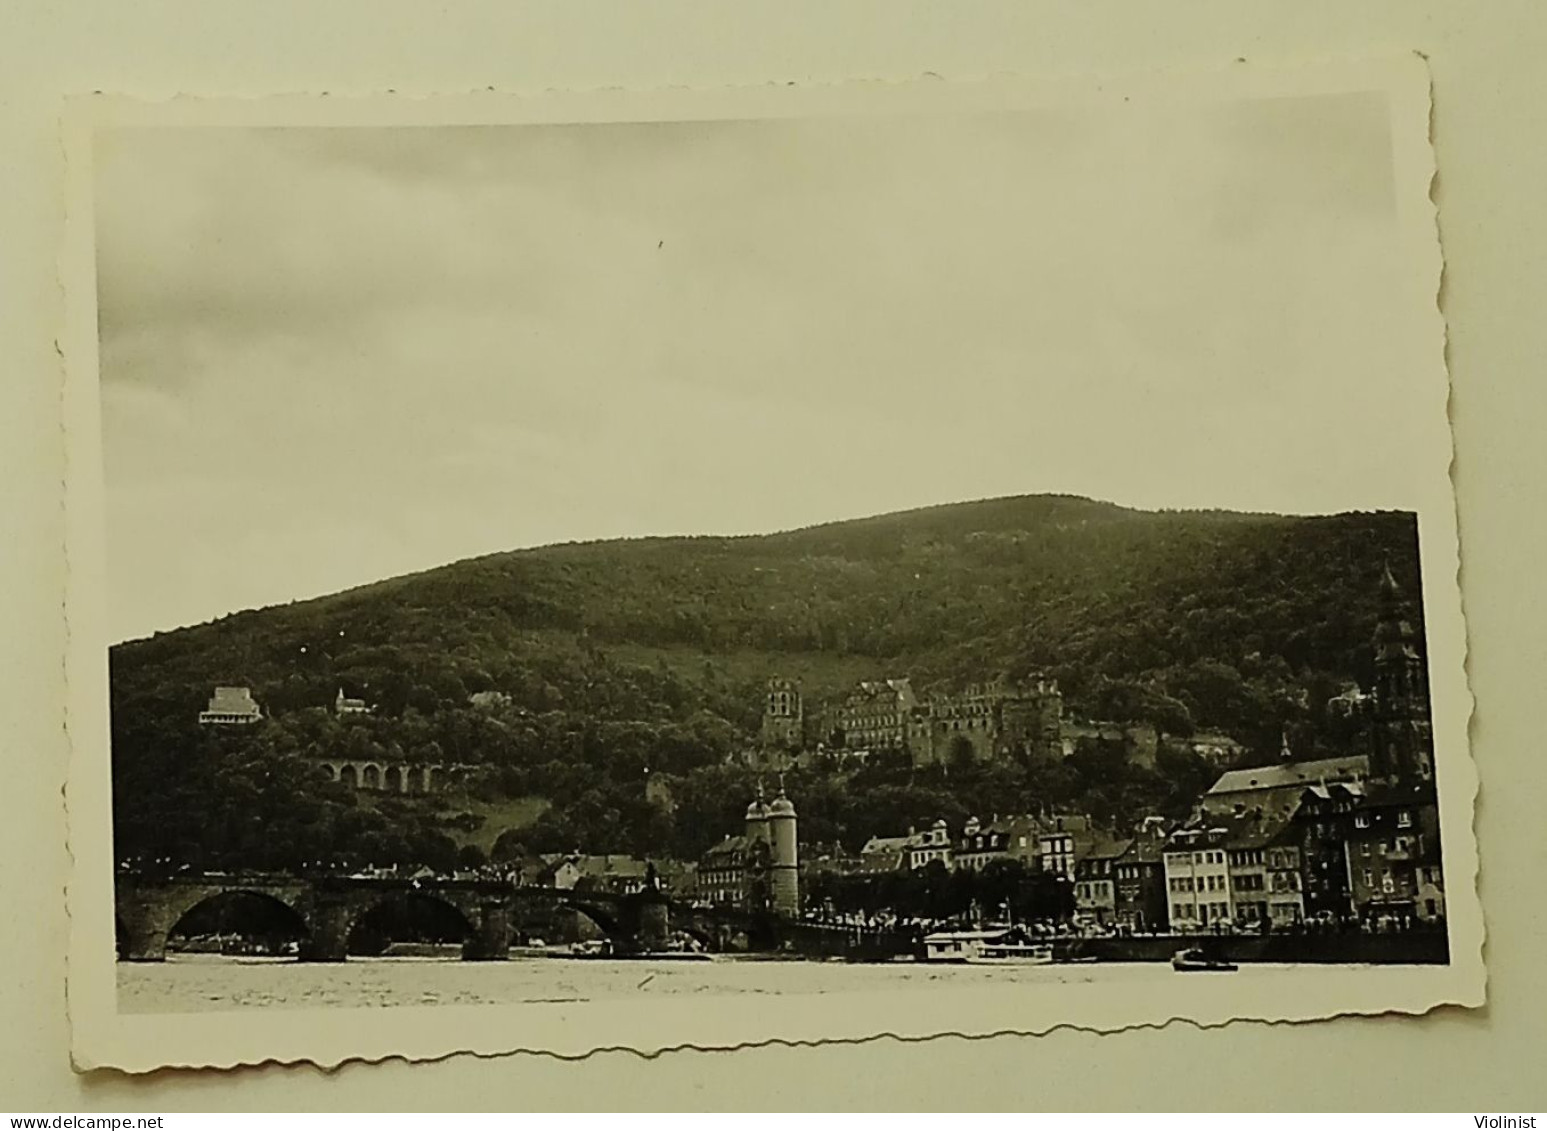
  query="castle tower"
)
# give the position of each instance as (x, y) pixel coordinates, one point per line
(784, 717)
(786, 870)
(658, 792)
(1403, 741)
(1050, 718)
(1031, 719)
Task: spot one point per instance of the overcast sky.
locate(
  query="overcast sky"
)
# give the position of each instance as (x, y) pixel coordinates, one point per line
(331, 356)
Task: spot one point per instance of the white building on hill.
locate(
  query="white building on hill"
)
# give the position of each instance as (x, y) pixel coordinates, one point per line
(231, 706)
(343, 705)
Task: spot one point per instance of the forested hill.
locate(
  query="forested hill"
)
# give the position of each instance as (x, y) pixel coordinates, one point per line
(1220, 612)
(570, 672)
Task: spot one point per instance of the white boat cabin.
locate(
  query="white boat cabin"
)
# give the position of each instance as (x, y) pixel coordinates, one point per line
(1007, 945)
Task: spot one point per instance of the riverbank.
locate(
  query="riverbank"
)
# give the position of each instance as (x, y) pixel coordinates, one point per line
(1404, 949)
(1415, 948)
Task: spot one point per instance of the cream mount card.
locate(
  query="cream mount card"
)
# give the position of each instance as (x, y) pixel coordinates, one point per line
(695, 568)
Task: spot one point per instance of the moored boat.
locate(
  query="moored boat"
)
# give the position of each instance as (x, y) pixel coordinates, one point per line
(1003, 947)
(1196, 959)
(604, 948)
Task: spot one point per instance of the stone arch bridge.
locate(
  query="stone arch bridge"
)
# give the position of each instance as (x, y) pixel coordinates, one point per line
(148, 909)
(388, 776)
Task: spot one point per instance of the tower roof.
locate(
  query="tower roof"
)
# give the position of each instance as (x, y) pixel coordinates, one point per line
(782, 806)
(1395, 634)
(757, 811)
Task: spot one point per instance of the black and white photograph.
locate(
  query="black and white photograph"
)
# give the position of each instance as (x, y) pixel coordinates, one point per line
(927, 549)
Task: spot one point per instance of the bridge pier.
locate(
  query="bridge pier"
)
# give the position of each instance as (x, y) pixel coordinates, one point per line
(654, 923)
(142, 923)
(142, 942)
(328, 940)
(490, 940)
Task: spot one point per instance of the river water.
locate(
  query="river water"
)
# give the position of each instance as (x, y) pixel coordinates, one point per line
(188, 983)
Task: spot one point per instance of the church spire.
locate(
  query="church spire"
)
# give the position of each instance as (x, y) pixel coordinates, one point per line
(1403, 744)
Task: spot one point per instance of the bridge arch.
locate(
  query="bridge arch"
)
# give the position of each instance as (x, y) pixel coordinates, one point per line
(349, 774)
(424, 916)
(707, 938)
(605, 921)
(571, 916)
(262, 920)
(370, 776)
(145, 917)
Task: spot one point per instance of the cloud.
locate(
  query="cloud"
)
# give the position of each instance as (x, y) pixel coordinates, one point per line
(333, 355)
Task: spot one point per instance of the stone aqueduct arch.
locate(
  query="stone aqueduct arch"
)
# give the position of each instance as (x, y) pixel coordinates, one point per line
(388, 777)
(148, 911)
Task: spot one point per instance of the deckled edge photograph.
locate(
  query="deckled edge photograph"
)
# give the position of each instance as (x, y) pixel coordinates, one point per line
(105, 1036)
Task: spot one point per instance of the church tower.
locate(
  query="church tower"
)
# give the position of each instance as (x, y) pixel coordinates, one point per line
(1403, 741)
(786, 870)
